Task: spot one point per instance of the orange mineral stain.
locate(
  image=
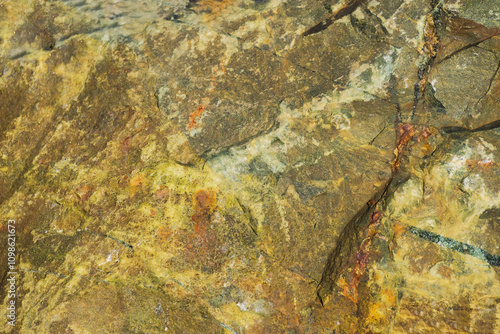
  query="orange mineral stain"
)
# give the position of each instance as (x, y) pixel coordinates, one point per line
(163, 233)
(136, 184)
(195, 116)
(203, 245)
(204, 204)
(362, 258)
(405, 133)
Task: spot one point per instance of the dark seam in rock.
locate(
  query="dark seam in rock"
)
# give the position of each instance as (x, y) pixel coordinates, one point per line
(376, 18)
(489, 86)
(479, 253)
(463, 49)
(378, 134)
(346, 241)
(344, 11)
(248, 214)
(459, 129)
(110, 237)
(227, 327)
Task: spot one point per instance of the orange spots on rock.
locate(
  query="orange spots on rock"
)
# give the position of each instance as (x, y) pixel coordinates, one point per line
(389, 297)
(425, 147)
(136, 183)
(212, 8)
(483, 164)
(203, 245)
(195, 115)
(426, 133)
(137, 180)
(362, 258)
(125, 144)
(445, 271)
(204, 204)
(405, 133)
(162, 193)
(204, 201)
(152, 213)
(377, 312)
(163, 233)
(217, 71)
(84, 192)
(348, 290)
(398, 229)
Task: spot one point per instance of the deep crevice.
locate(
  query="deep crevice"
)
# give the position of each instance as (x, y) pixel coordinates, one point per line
(344, 11)
(492, 79)
(349, 237)
(461, 129)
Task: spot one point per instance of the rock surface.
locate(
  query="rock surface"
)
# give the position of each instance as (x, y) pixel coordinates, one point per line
(244, 166)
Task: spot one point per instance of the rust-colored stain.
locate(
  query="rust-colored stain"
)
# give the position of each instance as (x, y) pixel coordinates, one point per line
(163, 233)
(430, 38)
(204, 204)
(137, 180)
(350, 289)
(85, 191)
(480, 164)
(162, 193)
(125, 144)
(426, 148)
(212, 8)
(445, 271)
(405, 133)
(203, 245)
(217, 71)
(195, 115)
(136, 183)
(398, 230)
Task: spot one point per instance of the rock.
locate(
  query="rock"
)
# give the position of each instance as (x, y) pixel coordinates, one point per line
(250, 166)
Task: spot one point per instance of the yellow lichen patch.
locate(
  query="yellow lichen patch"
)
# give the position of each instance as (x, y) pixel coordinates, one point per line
(377, 312)
(147, 210)
(389, 297)
(136, 183)
(163, 233)
(232, 313)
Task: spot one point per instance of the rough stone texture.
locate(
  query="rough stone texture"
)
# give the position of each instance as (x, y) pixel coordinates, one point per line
(244, 166)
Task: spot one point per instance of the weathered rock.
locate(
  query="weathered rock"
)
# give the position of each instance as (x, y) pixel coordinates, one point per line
(251, 166)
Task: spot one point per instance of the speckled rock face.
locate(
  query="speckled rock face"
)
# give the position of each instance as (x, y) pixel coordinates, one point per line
(244, 166)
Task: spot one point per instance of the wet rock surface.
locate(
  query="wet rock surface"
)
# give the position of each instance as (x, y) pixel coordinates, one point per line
(251, 166)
